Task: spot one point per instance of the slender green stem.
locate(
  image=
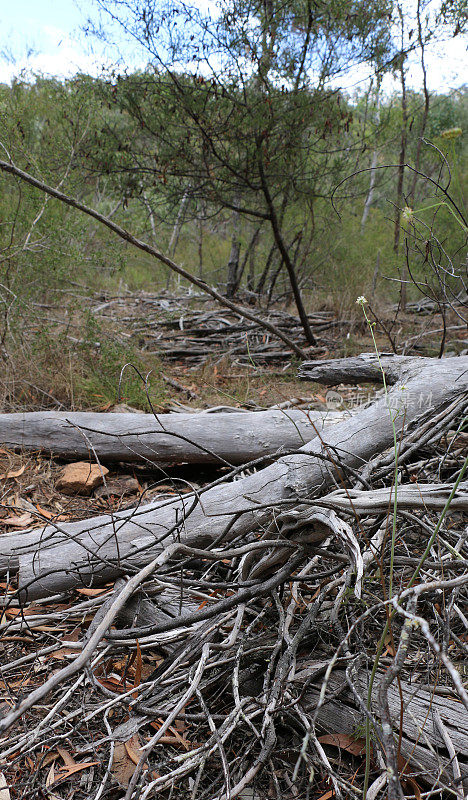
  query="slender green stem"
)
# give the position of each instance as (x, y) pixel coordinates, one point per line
(449, 208)
(395, 444)
(362, 301)
(369, 701)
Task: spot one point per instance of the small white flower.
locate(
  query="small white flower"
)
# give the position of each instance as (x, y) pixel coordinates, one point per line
(361, 301)
(407, 214)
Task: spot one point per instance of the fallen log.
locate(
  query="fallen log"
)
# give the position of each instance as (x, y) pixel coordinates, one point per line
(56, 558)
(422, 743)
(203, 438)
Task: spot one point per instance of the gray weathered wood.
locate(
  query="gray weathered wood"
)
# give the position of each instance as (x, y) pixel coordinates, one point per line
(421, 741)
(142, 611)
(411, 496)
(365, 367)
(96, 550)
(235, 438)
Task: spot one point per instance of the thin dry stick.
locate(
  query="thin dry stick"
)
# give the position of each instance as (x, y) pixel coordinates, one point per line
(147, 248)
(71, 669)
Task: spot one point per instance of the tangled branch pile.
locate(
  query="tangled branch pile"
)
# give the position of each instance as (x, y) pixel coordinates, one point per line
(174, 329)
(296, 630)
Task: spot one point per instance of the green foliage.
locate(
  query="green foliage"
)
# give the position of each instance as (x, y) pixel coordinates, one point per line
(88, 372)
(109, 371)
(259, 130)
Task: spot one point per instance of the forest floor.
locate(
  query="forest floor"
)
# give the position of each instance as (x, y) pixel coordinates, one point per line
(71, 355)
(203, 357)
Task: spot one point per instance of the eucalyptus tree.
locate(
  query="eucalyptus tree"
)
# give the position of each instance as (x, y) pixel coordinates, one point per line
(239, 105)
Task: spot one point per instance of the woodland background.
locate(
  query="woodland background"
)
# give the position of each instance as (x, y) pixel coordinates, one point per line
(236, 153)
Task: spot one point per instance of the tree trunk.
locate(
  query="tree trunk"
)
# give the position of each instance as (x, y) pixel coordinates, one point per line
(370, 193)
(249, 252)
(373, 170)
(178, 224)
(251, 275)
(95, 551)
(401, 171)
(265, 271)
(199, 438)
(297, 241)
(280, 243)
(422, 130)
(233, 263)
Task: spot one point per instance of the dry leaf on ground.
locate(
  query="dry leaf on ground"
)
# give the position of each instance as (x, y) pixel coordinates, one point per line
(126, 757)
(345, 742)
(19, 521)
(70, 767)
(13, 473)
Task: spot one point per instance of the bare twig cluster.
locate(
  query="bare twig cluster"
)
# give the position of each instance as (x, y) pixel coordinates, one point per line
(322, 651)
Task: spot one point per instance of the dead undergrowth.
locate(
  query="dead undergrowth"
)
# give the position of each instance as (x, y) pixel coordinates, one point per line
(253, 691)
(227, 674)
(69, 354)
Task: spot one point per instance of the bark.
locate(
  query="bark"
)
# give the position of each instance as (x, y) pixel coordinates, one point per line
(142, 611)
(52, 560)
(178, 223)
(422, 130)
(201, 438)
(401, 169)
(265, 271)
(249, 257)
(421, 742)
(233, 263)
(370, 193)
(252, 253)
(280, 243)
(373, 169)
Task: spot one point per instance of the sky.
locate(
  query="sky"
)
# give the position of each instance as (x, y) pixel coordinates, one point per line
(45, 36)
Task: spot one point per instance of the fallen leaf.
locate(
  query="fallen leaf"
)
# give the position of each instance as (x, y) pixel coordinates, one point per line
(70, 768)
(176, 740)
(133, 748)
(138, 665)
(44, 513)
(124, 763)
(50, 776)
(414, 786)
(390, 650)
(15, 684)
(13, 473)
(114, 684)
(403, 766)
(327, 795)
(67, 772)
(68, 759)
(64, 651)
(19, 521)
(180, 725)
(46, 628)
(92, 592)
(345, 742)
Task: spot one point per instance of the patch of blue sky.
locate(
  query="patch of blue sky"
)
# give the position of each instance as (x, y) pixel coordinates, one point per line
(47, 37)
